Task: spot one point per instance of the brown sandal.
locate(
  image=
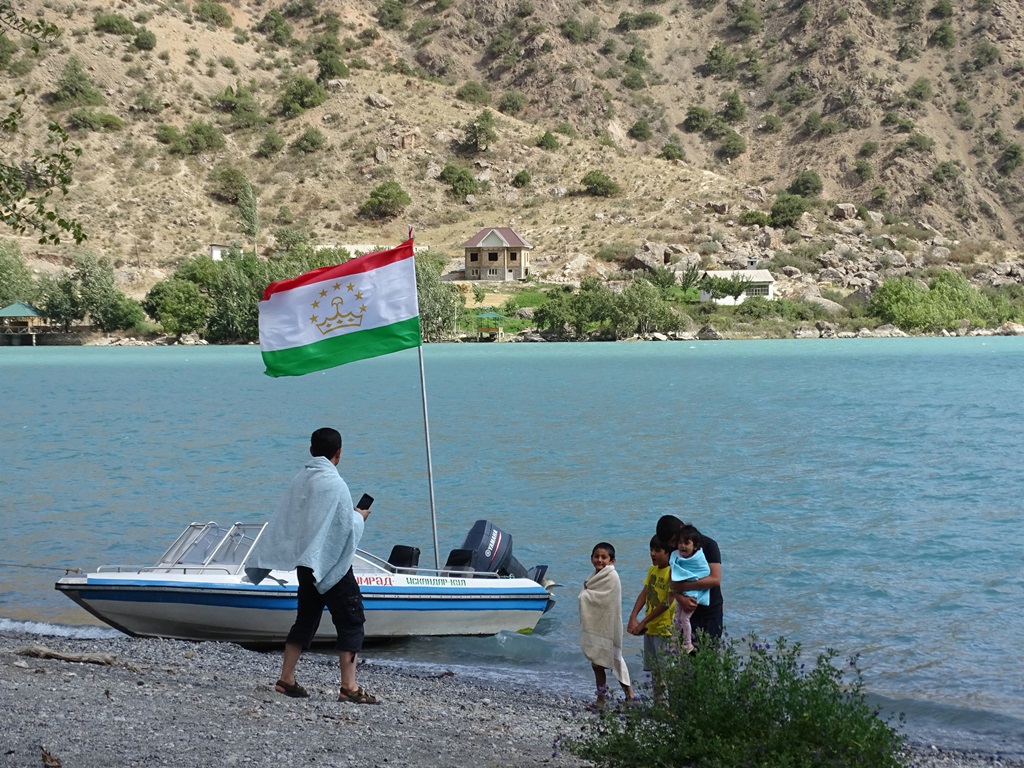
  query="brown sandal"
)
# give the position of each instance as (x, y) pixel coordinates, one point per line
(358, 696)
(294, 690)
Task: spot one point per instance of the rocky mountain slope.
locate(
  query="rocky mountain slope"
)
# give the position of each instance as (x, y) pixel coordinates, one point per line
(906, 108)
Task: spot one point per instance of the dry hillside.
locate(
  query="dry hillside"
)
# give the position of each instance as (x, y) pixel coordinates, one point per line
(910, 108)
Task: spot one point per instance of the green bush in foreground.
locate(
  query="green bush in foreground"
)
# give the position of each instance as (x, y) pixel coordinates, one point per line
(747, 703)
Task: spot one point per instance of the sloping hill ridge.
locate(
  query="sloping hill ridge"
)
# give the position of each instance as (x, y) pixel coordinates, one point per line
(909, 109)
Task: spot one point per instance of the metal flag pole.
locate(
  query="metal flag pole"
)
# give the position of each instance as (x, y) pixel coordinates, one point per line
(426, 438)
(430, 468)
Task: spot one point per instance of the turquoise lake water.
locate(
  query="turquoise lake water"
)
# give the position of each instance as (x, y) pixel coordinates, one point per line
(867, 494)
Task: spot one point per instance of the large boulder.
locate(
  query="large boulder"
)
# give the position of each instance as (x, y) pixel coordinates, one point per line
(832, 307)
(648, 256)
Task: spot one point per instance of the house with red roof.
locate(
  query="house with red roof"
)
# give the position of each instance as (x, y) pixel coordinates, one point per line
(497, 253)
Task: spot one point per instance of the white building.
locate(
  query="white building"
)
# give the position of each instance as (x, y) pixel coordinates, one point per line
(759, 283)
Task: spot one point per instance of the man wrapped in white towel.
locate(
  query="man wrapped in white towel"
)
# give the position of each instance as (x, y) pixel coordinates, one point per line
(316, 531)
(601, 622)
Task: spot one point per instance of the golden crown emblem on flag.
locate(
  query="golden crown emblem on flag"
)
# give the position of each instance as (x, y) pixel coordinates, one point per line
(340, 319)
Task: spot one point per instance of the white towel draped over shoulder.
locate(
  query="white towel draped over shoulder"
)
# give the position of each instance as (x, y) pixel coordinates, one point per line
(601, 622)
(315, 526)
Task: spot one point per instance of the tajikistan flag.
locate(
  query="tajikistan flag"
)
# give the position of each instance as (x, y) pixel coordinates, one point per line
(334, 315)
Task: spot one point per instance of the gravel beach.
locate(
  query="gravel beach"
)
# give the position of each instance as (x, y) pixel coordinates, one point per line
(158, 703)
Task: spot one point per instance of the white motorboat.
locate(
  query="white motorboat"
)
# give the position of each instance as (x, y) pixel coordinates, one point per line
(199, 591)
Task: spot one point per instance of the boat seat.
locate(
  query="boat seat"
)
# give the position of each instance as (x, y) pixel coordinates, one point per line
(459, 560)
(404, 557)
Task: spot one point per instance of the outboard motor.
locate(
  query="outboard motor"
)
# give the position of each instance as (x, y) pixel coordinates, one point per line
(488, 548)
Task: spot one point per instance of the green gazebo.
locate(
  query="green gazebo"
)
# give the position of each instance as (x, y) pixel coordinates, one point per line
(20, 320)
(489, 326)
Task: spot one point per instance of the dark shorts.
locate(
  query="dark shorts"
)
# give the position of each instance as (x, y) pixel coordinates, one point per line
(343, 600)
(707, 621)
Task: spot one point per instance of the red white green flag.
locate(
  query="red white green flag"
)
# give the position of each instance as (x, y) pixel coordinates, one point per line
(363, 308)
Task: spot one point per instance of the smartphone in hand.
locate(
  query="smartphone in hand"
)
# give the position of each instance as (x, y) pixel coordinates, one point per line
(365, 501)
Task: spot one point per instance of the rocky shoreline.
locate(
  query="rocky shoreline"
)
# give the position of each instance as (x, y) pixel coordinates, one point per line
(128, 702)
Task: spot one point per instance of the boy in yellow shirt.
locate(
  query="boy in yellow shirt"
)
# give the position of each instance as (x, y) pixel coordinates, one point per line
(658, 605)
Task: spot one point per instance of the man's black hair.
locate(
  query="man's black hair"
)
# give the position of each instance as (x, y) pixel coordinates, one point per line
(325, 442)
(668, 528)
(606, 547)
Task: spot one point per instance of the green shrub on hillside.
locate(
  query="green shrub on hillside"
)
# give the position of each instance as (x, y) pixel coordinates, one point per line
(599, 184)
(984, 53)
(91, 120)
(391, 14)
(548, 141)
(634, 81)
(521, 179)
(672, 151)
(787, 210)
(643, 20)
(198, 137)
(270, 145)
(640, 130)
(733, 145)
(474, 93)
(480, 133)
(921, 90)
(755, 218)
(733, 108)
(275, 27)
(241, 107)
(943, 36)
(145, 40)
(637, 59)
(771, 123)
(210, 12)
(513, 102)
(460, 180)
(747, 703)
(1011, 159)
(576, 31)
(299, 94)
(698, 119)
(114, 24)
(747, 21)
(807, 183)
(945, 171)
(720, 63)
(386, 201)
(227, 183)
(330, 66)
(311, 140)
(421, 29)
(74, 88)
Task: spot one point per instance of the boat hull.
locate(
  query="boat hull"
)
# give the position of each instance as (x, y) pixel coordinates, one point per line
(226, 609)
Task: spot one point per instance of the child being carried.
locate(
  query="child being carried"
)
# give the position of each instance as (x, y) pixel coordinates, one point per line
(688, 564)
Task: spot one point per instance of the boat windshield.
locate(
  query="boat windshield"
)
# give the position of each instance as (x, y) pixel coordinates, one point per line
(210, 546)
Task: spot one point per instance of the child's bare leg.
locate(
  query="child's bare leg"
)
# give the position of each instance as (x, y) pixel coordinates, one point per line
(628, 691)
(601, 679)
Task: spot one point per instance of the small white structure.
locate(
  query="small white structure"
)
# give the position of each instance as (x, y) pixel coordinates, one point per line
(218, 251)
(759, 283)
